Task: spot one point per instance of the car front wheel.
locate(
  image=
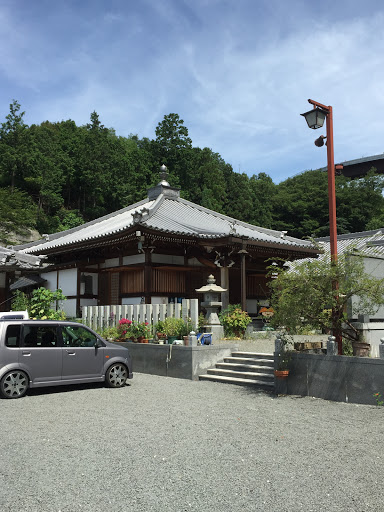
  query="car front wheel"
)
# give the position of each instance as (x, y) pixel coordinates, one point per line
(116, 375)
(14, 384)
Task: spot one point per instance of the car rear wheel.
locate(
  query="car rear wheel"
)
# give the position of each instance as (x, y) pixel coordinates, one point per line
(14, 384)
(117, 375)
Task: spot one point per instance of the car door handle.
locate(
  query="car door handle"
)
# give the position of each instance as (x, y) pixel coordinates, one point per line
(70, 353)
(25, 353)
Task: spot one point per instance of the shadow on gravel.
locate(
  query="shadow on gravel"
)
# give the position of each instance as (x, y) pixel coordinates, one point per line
(66, 389)
(257, 392)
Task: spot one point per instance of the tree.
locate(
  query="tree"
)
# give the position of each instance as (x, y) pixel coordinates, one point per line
(17, 214)
(13, 146)
(300, 205)
(263, 191)
(359, 202)
(303, 297)
(39, 303)
(173, 147)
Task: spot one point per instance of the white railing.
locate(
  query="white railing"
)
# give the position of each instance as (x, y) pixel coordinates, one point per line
(101, 317)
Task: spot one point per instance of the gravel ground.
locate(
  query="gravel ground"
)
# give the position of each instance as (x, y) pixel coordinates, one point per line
(162, 444)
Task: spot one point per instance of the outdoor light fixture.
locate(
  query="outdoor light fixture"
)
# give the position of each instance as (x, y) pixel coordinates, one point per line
(315, 118)
(320, 141)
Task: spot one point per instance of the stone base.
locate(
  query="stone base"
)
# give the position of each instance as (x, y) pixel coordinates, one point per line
(217, 332)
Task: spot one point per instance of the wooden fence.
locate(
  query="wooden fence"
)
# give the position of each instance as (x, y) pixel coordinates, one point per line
(101, 317)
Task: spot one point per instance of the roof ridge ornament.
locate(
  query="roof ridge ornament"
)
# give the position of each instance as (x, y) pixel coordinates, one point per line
(163, 188)
(164, 176)
(140, 215)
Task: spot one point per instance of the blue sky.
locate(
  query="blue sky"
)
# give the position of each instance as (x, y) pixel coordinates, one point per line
(239, 72)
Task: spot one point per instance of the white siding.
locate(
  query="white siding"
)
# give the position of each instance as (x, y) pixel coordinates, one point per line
(51, 278)
(68, 281)
(69, 307)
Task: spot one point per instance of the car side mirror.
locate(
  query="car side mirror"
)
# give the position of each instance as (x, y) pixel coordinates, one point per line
(98, 344)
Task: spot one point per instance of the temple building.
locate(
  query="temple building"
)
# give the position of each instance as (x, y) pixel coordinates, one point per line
(161, 250)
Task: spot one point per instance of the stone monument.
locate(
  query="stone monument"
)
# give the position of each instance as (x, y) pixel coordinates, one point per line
(212, 303)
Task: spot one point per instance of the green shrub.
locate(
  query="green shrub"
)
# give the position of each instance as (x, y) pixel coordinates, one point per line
(173, 326)
(38, 303)
(234, 320)
(110, 332)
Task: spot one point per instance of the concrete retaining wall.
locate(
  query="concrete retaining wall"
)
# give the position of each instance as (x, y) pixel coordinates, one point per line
(176, 360)
(338, 378)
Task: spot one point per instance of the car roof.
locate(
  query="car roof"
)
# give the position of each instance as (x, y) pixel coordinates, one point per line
(34, 321)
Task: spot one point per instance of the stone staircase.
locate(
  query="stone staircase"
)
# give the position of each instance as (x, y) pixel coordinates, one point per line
(244, 368)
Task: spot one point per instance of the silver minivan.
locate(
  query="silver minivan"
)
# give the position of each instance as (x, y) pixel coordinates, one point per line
(38, 353)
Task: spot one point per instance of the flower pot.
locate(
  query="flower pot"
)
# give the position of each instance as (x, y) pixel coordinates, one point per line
(281, 374)
(186, 340)
(360, 349)
(142, 339)
(171, 339)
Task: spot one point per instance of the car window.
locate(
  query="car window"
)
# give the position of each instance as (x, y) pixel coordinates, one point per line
(12, 336)
(39, 336)
(77, 336)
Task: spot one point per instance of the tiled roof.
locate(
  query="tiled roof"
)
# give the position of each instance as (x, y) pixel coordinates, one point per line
(368, 243)
(10, 258)
(166, 213)
(366, 159)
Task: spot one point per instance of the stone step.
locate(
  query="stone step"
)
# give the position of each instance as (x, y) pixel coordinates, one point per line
(242, 382)
(255, 355)
(241, 375)
(248, 360)
(245, 367)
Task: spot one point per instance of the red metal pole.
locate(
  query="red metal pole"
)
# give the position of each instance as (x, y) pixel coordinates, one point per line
(331, 187)
(332, 217)
(332, 209)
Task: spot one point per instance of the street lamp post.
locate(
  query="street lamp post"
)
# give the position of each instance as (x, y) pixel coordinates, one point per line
(315, 119)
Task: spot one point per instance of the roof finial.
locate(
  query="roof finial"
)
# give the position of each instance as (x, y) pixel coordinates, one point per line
(164, 176)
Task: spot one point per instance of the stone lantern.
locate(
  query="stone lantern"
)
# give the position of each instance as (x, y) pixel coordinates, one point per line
(212, 303)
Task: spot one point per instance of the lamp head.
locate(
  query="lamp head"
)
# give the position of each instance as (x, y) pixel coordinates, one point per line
(315, 118)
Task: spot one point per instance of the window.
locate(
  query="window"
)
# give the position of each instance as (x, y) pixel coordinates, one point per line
(12, 337)
(74, 336)
(40, 336)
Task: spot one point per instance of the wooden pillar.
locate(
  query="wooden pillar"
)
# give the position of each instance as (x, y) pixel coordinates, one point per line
(243, 253)
(78, 283)
(148, 276)
(224, 283)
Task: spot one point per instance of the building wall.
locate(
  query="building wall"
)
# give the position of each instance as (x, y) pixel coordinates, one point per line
(68, 281)
(338, 378)
(374, 267)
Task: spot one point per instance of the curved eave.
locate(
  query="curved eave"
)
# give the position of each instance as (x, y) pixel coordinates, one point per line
(125, 235)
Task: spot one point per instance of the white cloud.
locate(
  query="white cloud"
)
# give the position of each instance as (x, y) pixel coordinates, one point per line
(238, 74)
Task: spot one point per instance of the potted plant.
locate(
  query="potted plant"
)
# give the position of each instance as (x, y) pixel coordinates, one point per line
(123, 329)
(172, 327)
(360, 346)
(282, 357)
(143, 331)
(160, 333)
(234, 320)
(185, 329)
(111, 334)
